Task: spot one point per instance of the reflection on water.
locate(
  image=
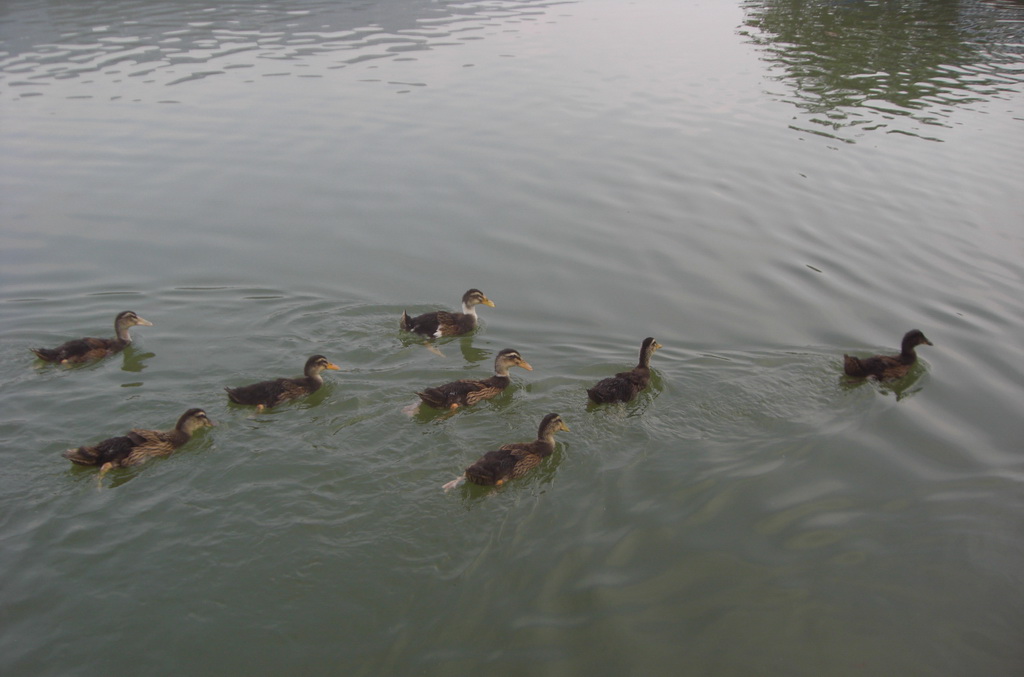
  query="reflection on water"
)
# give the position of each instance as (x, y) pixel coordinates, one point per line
(903, 388)
(446, 347)
(892, 66)
(170, 43)
(135, 362)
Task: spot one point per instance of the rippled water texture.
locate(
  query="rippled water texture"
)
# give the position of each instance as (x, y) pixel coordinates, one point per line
(762, 186)
(160, 44)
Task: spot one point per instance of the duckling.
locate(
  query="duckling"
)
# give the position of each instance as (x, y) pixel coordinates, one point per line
(886, 367)
(469, 391)
(87, 349)
(271, 393)
(443, 323)
(625, 385)
(139, 445)
(513, 460)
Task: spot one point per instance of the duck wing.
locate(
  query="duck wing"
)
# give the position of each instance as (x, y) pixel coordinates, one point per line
(876, 366)
(113, 450)
(270, 393)
(439, 323)
(494, 467)
(466, 392)
(453, 324)
(80, 350)
(149, 443)
(622, 387)
(508, 462)
(426, 324)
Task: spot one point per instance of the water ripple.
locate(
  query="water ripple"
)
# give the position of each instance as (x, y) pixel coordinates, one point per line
(165, 43)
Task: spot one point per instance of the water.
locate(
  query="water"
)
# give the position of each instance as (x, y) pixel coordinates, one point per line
(762, 186)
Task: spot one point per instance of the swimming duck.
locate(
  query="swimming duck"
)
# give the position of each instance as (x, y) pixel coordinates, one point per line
(469, 391)
(625, 385)
(271, 393)
(886, 367)
(86, 349)
(139, 445)
(513, 460)
(443, 323)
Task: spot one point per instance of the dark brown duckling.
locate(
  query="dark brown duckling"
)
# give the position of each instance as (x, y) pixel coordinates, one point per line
(468, 392)
(625, 385)
(513, 460)
(272, 393)
(886, 367)
(139, 445)
(87, 349)
(443, 323)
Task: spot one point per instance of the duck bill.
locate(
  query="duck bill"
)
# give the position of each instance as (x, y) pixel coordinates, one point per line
(144, 323)
(332, 366)
(487, 302)
(565, 428)
(525, 365)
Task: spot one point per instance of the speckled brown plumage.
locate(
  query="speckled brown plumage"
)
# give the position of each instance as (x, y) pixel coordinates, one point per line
(272, 393)
(468, 392)
(513, 460)
(139, 445)
(443, 323)
(625, 385)
(88, 349)
(887, 367)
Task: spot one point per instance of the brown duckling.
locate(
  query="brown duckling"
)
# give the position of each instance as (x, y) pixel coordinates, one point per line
(139, 445)
(470, 391)
(513, 460)
(87, 349)
(886, 367)
(625, 385)
(272, 393)
(443, 323)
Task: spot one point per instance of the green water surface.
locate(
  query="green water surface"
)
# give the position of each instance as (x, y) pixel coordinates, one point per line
(762, 186)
